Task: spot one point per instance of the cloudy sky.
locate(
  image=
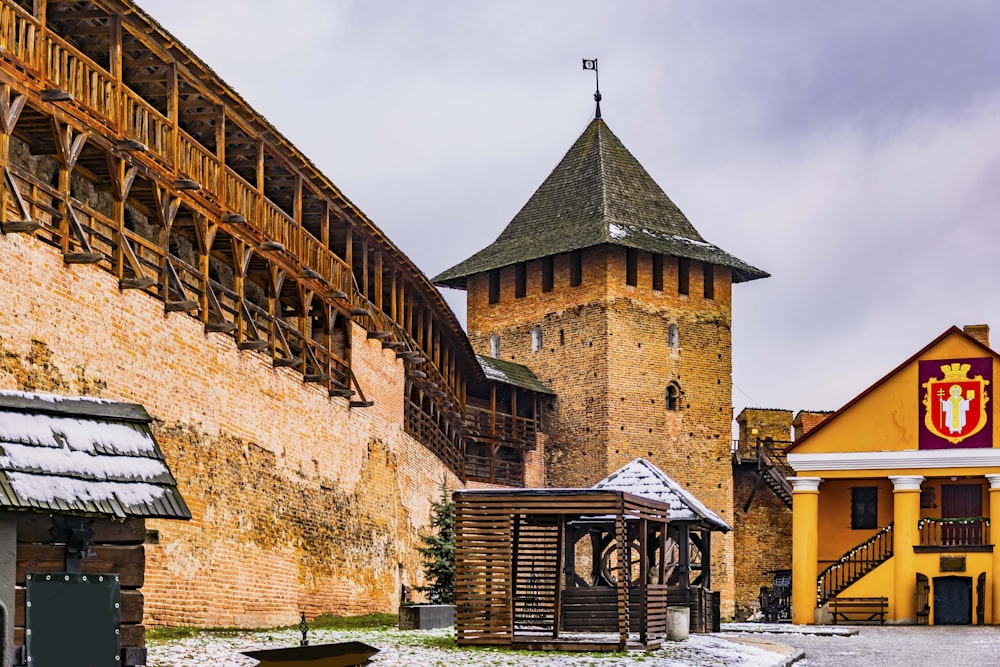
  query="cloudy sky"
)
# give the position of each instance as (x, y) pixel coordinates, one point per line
(850, 148)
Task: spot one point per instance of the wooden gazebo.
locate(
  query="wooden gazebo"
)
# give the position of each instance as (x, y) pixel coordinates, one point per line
(520, 554)
(688, 559)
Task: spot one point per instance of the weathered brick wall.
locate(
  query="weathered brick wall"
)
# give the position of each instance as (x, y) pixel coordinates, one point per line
(762, 534)
(575, 450)
(806, 420)
(606, 354)
(299, 503)
(763, 540)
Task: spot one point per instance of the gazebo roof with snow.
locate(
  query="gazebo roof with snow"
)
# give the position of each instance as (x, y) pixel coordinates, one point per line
(83, 456)
(642, 478)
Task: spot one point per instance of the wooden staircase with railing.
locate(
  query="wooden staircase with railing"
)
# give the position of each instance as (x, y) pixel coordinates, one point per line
(854, 564)
(772, 469)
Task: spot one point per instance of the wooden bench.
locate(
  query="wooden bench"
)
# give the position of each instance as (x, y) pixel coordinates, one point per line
(859, 610)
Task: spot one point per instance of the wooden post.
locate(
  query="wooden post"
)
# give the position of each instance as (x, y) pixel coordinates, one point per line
(643, 580)
(560, 550)
(684, 558)
(706, 560)
(621, 540)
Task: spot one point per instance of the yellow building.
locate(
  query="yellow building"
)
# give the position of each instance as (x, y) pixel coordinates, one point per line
(893, 494)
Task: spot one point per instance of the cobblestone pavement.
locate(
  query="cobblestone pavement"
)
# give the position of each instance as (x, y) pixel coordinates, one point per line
(909, 646)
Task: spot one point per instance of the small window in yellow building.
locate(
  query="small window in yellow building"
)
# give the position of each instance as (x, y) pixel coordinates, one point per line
(864, 507)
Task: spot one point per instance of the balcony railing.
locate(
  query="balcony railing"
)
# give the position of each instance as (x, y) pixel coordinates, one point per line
(958, 532)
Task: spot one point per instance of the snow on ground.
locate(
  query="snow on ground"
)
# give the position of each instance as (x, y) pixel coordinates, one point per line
(434, 648)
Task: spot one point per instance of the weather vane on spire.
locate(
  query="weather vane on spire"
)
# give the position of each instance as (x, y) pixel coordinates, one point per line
(592, 64)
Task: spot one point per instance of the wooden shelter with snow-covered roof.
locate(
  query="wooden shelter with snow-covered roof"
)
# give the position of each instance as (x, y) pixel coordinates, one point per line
(516, 556)
(687, 568)
(78, 478)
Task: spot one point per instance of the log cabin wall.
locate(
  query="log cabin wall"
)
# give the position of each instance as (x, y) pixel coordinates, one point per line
(118, 549)
(164, 244)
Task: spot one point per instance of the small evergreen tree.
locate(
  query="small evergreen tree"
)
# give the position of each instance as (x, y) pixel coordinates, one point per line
(439, 551)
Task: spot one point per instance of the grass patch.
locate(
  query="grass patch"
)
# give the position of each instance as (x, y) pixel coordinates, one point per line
(175, 634)
(325, 622)
(375, 620)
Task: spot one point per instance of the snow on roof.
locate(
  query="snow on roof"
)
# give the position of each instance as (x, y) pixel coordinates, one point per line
(83, 456)
(642, 478)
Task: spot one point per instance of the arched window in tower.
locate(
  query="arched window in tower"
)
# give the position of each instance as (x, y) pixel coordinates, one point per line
(673, 397)
(536, 338)
(672, 336)
(495, 346)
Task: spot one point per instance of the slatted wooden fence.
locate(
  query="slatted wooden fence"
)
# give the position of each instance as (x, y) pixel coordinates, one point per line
(509, 586)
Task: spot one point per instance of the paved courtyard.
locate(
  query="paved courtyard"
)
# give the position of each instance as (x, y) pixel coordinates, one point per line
(777, 646)
(909, 646)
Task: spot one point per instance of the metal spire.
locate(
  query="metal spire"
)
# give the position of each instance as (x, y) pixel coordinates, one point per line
(592, 64)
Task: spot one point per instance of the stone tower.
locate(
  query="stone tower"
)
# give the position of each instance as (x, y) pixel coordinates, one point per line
(605, 290)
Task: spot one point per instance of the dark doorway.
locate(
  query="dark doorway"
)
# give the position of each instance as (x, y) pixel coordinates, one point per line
(952, 600)
(961, 501)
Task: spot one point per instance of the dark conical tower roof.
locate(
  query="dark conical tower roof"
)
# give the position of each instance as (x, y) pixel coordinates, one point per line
(598, 194)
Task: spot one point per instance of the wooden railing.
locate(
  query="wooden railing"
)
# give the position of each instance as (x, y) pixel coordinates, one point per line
(519, 431)
(241, 197)
(90, 85)
(102, 100)
(959, 532)
(855, 564)
(428, 431)
(492, 469)
(197, 163)
(278, 226)
(19, 36)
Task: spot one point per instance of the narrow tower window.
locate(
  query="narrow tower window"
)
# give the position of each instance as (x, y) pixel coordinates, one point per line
(672, 335)
(658, 273)
(575, 268)
(494, 277)
(548, 271)
(631, 266)
(683, 274)
(495, 346)
(536, 338)
(709, 271)
(673, 397)
(520, 280)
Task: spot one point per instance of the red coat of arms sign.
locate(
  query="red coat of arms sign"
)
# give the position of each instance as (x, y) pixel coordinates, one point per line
(954, 403)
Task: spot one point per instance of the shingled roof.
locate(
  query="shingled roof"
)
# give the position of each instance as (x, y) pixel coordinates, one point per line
(83, 456)
(509, 372)
(598, 194)
(642, 478)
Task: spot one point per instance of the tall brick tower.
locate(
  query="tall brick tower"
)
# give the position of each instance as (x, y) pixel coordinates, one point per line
(605, 290)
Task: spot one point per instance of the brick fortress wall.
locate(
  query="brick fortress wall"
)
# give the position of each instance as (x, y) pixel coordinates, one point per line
(606, 354)
(299, 503)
